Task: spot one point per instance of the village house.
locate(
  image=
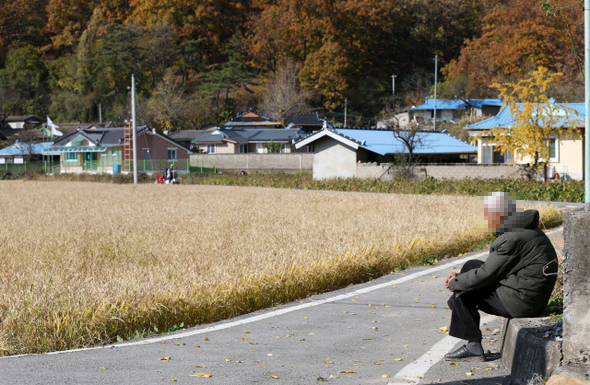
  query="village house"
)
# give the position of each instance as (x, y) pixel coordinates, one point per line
(13, 125)
(108, 150)
(250, 140)
(251, 120)
(453, 109)
(21, 152)
(338, 151)
(308, 123)
(567, 153)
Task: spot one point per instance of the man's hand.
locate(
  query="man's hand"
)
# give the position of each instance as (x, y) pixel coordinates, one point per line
(450, 278)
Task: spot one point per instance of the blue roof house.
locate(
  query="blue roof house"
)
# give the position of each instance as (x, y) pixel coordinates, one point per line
(567, 153)
(339, 151)
(19, 151)
(453, 109)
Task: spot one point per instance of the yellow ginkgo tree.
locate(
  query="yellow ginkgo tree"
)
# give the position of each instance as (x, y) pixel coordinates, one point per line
(536, 119)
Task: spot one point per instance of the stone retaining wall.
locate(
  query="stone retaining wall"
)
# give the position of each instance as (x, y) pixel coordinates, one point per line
(451, 171)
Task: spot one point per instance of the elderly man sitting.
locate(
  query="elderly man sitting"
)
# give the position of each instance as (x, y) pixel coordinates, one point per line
(516, 280)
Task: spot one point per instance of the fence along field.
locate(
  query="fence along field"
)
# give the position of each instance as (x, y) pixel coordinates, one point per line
(84, 263)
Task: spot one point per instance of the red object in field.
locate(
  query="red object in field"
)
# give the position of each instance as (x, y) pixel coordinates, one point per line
(160, 179)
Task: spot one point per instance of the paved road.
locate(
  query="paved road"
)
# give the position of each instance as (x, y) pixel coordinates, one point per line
(387, 331)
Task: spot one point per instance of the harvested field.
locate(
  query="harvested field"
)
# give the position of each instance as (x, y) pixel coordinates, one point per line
(84, 263)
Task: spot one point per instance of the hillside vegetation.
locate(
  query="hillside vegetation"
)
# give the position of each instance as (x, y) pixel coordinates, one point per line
(199, 62)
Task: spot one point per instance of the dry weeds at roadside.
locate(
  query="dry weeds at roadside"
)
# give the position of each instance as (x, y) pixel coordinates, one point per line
(83, 263)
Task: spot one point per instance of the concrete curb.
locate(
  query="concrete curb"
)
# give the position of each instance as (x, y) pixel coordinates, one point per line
(525, 352)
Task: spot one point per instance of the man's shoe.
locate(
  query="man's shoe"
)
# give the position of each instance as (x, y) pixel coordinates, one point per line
(463, 354)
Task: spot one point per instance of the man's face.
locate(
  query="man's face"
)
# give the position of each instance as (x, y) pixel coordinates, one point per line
(495, 220)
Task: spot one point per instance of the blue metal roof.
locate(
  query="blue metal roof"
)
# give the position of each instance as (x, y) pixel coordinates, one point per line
(383, 142)
(456, 104)
(36, 148)
(504, 118)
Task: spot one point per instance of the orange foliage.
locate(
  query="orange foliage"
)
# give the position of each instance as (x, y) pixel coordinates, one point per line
(516, 38)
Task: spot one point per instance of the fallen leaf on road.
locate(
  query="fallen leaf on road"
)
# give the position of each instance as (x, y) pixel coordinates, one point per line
(173, 380)
(435, 276)
(469, 373)
(227, 360)
(385, 376)
(444, 329)
(201, 375)
(180, 344)
(164, 358)
(253, 343)
(244, 339)
(275, 377)
(270, 354)
(488, 368)
(197, 346)
(247, 331)
(304, 317)
(333, 376)
(206, 338)
(452, 364)
(200, 366)
(405, 346)
(344, 371)
(321, 379)
(398, 359)
(376, 363)
(104, 368)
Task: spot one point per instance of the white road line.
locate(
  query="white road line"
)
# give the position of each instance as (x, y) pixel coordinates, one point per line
(279, 312)
(412, 373)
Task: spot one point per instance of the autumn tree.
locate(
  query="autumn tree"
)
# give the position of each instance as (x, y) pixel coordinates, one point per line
(516, 38)
(536, 120)
(283, 95)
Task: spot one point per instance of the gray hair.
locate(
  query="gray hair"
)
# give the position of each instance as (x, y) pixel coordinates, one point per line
(499, 203)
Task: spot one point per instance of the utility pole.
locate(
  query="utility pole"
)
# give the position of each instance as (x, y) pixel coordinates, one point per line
(345, 110)
(100, 113)
(134, 129)
(587, 118)
(393, 91)
(435, 83)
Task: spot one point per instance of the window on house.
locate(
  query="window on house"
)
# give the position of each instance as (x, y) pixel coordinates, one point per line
(172, 154)
(284, 148)
(243, 148)
(113, 152)
(310, 148)
(211, 149)
(71, 157)
(260, 148)
(554, 150)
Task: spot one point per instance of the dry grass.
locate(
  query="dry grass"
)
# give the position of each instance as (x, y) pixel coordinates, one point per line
(83, 263)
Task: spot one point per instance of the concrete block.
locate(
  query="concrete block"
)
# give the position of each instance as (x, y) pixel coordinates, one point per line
(525, 352)
(576, 288)
(566, 380)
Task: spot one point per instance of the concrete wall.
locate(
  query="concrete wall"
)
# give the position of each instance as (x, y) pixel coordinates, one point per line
(576, 288)
(455, 171)
(256, 162)
(333, 159)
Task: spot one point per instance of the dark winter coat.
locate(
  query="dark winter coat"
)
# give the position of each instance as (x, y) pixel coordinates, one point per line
(522, 262)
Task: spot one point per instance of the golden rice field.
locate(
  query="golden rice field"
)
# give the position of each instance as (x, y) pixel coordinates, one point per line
(83, 263)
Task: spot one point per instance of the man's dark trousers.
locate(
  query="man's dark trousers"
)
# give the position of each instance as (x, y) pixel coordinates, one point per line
(464, 308)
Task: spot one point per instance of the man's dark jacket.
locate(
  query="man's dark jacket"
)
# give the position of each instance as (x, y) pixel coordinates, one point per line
(516, 262)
